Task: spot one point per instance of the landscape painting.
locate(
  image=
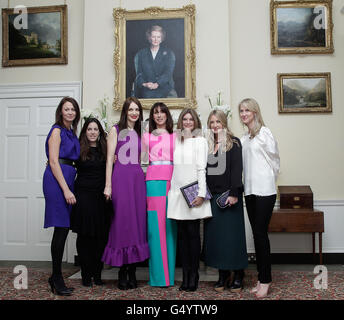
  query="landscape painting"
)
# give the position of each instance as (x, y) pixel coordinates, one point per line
(301, 27)
(43, 41)
(296, 28)
(304, 92)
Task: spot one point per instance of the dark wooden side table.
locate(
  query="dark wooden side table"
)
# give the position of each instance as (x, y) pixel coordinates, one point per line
(299, 220)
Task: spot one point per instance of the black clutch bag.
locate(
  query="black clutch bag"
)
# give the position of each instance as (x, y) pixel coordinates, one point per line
(221, 200)
(190, 193)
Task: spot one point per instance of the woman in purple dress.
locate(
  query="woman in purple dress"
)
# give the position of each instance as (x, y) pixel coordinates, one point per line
(62, 149)
(125, 185)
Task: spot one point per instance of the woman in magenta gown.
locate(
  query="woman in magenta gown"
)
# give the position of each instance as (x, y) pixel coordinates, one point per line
(125, 185)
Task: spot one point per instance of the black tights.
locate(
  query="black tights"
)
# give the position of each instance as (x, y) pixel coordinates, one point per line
(189, 243)
(90, 251)
(57, 248)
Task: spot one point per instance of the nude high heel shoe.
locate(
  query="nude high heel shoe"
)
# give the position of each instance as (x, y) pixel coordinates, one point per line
(263, 290)
(256, 288)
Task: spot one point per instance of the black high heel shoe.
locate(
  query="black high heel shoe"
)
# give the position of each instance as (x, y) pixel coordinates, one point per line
(58, 287)
(185, 283)
(86, 282)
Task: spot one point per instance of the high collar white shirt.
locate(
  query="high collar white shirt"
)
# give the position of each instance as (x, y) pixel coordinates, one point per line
(261, 163)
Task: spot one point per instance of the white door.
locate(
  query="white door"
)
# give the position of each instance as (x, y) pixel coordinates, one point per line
(24, 125)
(23, 129)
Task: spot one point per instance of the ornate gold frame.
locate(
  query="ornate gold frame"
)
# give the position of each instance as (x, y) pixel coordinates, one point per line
(282, 76)
(301, 4)
(120, 17)
(6, 62)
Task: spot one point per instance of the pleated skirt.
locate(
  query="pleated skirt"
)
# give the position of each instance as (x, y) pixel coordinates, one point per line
(224, 245)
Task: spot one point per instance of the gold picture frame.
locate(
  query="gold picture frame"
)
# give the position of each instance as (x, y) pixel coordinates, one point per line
(304, 92)
(43, 41)
(301, 27)
(131, 38)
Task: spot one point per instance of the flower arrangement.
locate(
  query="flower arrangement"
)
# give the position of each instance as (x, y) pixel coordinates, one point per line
(220, 105)
(100, 113)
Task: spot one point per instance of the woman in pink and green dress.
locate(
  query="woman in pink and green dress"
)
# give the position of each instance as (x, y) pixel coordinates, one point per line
(162, 232)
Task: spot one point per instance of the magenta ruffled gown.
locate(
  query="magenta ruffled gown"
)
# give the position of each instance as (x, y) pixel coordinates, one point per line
(127, 241)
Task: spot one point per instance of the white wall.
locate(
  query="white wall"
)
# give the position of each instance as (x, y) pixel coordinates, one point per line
(73, 71)
(212, 48)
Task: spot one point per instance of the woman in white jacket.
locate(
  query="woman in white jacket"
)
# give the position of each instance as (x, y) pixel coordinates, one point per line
(261, 163)
(190, 162)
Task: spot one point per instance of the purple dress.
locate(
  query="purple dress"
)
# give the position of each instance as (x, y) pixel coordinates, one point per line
(57, 211)
(127, 241)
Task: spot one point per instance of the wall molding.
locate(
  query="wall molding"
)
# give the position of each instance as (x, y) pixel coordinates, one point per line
(41, 90)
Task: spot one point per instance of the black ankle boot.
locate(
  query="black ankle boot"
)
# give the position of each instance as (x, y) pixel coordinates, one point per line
(237, 283)
(185, 283)
(193, 281)
(224, 276)
(122, 278)
(132, 283)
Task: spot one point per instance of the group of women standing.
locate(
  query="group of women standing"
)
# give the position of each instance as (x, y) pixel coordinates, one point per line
(149, 215)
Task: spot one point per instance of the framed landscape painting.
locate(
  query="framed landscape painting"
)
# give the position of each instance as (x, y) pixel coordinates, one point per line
(154, 58)
(304, 92)
(301, 27)
(41, 40)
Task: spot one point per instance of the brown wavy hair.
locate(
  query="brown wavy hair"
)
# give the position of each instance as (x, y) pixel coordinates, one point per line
(58, 113)
(197, 131)
(85, 153)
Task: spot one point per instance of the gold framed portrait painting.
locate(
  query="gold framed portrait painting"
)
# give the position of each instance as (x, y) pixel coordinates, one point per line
(154, 58)
(304, 92)
(301, 27)
(34, 36)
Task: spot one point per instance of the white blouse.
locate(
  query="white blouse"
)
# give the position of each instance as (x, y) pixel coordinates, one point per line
(190, 161)
(261, 163)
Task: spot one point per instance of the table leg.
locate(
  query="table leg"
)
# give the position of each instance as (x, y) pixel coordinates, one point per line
(320, 248)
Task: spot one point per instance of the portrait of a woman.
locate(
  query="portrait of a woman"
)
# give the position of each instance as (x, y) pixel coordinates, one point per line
(154, 66)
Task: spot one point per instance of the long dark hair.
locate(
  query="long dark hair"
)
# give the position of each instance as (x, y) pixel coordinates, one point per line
(123, 121)
(85, 153)
(58, 113)
(164, 109)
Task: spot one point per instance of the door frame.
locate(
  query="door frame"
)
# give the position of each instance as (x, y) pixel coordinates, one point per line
(46, 90)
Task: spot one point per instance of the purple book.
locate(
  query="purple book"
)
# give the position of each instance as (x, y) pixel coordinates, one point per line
(190, 193)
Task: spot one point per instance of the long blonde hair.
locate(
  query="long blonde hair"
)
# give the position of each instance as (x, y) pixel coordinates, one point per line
(220, 115)
(253, 106)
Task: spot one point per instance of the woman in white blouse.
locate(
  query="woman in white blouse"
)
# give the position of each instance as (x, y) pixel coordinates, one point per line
(261, 164)
(190, 162)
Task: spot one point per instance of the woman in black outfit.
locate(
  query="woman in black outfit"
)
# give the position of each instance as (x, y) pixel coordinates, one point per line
(91, 214)
(224, 233)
